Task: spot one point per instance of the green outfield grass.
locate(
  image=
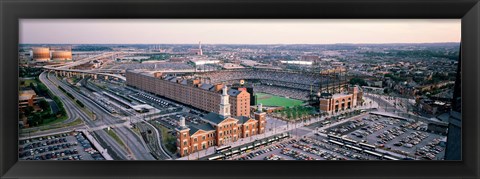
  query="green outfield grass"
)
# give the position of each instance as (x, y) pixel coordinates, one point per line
(273, 100)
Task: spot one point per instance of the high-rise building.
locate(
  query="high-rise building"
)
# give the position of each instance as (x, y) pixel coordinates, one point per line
(200, 52)
(453, 150)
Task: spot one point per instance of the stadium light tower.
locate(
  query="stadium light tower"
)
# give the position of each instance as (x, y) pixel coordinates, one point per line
(200, 48)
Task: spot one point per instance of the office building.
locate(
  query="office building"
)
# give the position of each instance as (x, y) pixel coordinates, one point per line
(190, 91)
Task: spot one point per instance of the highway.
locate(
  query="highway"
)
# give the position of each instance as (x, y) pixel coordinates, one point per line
(133, 142)
(117, 148)
(104, 120)
(86, 60)
(71, 113)
(66, 67)
(67, 102)
(74, 110)
(134, 118)
(135, 146)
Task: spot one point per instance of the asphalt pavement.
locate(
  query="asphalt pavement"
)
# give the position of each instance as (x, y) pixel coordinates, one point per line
(130, 139)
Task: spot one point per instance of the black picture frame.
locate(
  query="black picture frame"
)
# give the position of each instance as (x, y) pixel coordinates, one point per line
(467, 10)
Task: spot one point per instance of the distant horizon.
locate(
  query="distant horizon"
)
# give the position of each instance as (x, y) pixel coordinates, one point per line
(234, 44)
(238, 31)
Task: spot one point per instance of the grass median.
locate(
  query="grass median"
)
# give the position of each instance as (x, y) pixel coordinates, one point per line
(77, 122)
(78, 103)
(115, 137)
(168, 140)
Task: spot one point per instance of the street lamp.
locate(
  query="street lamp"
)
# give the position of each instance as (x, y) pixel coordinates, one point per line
(274, 128)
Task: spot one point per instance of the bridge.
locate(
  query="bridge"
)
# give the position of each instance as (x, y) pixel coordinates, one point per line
(65, 69)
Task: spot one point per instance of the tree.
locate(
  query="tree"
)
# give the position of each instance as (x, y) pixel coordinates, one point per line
(28, 110)
(35, 120)
(358, 81)
(386, 90)
(43, 104)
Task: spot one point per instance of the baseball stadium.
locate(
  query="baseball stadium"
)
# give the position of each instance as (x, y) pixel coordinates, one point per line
(273, 87)
(270, 87)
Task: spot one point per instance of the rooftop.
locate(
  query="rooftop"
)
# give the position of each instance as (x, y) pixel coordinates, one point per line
(339, 95)
(26, 94)
(214, 117)
(194, 128)
(233, 92)
(206, 86)
(242, 119)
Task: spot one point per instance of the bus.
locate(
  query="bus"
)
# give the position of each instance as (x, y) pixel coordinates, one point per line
(373, 153)
(336, 143)
(222, 149)
(216, 157)
(235, 152)
(390, 157)
(367, 146)
(349, 141)
(243, 149)
(334, 137)
(354, 148)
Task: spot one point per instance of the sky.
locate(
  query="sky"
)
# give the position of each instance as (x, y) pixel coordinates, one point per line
(237, 31)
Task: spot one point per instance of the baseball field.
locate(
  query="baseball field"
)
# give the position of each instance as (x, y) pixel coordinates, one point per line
(273, 100)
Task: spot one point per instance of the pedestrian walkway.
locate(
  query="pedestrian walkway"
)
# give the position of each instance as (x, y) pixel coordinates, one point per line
(99, 147)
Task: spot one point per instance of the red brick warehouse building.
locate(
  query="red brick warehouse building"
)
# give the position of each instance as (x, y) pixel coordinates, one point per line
(190, 91)
(220, 129)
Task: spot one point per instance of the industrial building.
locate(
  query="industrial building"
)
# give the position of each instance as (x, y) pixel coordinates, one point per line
(41, 54)
(61, 55)
(45, 54)
(190, 91)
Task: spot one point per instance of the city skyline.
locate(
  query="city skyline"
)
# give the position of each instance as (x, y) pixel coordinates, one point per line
(274, 97)
(241, 31)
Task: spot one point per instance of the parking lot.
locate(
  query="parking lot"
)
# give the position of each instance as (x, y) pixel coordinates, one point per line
(66, 146)
(399, 136)
(303, 149)
(171, 121)
(164, 105)
(153, 100)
